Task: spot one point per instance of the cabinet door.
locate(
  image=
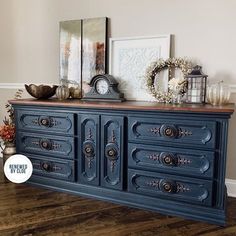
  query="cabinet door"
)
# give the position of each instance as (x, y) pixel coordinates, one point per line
(112, 132)
(88, 159)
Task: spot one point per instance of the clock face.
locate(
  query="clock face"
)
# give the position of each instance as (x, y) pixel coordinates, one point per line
(102, 86)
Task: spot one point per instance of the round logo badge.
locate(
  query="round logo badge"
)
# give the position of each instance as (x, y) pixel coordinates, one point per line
(18, 168)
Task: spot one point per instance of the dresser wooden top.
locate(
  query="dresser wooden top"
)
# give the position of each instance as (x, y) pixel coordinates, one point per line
(127, 105)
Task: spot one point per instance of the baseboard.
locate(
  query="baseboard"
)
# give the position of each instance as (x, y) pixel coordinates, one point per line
(231, 187)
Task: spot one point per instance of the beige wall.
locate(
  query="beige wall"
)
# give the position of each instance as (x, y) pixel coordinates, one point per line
(203, 30)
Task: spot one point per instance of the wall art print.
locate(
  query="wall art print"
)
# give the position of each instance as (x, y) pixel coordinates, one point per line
(83, 50)
(70, 51)
(94, 49)
(129, 59)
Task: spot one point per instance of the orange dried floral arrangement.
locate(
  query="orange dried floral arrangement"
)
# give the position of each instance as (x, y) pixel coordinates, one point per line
(8, 129)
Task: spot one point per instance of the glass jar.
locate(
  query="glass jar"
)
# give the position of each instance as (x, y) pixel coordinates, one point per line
(218, 94)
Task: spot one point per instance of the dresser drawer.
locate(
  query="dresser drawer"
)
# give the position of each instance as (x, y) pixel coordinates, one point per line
(45, 144)
(170, 187)
(49, 121)
(194, 132)
(173, 160)
(59, 169)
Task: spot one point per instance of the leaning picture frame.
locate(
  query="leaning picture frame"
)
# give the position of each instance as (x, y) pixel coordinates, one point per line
(94, 49)
(83, 51)
(70, 51)
(129, 59)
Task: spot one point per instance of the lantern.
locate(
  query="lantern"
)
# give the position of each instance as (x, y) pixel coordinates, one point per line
(197, 81)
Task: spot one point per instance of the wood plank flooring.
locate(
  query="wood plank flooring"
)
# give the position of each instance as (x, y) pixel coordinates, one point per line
(26, 210)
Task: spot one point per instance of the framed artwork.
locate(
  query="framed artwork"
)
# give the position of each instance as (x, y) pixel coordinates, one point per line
(70, 51)
(83, 50)
(129, 59)
(94, 45)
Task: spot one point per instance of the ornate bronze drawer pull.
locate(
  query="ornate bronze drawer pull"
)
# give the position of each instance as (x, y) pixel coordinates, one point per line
(168, 159)
(44, 122)
(169, 131)
(88, 150)
(112, 154)
(46, 167)
(168, 186)
(89, 153)
(46, 144)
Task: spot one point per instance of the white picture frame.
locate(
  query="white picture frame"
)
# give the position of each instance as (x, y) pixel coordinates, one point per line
(129, 59)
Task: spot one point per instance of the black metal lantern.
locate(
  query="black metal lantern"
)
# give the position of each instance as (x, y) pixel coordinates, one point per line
(197, 81)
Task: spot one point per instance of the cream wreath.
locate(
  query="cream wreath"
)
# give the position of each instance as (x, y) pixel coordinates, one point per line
(155, 67)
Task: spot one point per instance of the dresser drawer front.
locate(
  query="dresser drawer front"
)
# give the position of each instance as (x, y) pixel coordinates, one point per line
(172, 160)
(45, 144)
(171, 187)
(46, 121)
(53, 168)
(89, 161)
(112, 131)
(194, 132)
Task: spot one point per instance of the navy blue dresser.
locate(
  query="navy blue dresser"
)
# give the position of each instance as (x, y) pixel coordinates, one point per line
(166, 158)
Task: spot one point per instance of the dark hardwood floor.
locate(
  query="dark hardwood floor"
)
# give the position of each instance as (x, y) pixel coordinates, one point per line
(26, 210)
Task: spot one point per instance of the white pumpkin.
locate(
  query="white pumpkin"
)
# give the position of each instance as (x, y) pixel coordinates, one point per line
(62, 92)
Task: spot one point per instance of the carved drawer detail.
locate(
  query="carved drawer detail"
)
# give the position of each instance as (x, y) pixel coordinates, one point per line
(173, 160)
(46, 121)
(46, 144)
(59, 169)
(175, 131)
(171, 187)
(112, 152)
(88, 164)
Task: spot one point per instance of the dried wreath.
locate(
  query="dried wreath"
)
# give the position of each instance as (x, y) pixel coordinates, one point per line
(156, 67)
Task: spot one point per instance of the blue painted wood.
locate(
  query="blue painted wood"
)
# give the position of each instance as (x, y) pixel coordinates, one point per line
(88, 151)
(220, 188)
(194, 132)
(49, 145)
(112, 133)
(172, 160)
(170, 187)
(165, 206)
(45, 121)
(196, 144)
(53, 167)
